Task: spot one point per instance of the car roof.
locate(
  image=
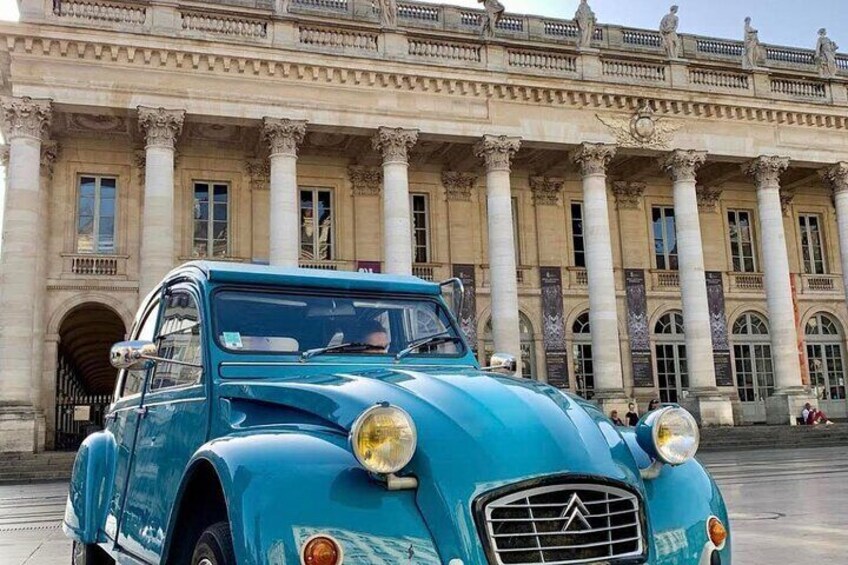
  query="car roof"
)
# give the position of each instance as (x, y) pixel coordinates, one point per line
(247, 273)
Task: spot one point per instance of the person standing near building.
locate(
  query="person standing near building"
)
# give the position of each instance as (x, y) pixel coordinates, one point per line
(632, 415)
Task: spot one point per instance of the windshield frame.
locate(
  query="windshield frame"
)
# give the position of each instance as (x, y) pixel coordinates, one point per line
(463, 348)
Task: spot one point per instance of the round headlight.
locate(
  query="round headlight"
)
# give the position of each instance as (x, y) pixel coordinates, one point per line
(384, 439)
(675, 434)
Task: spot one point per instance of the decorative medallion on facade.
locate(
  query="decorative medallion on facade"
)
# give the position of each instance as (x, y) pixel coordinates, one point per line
(497, 151)
(458, 186)
(708, 197)
(97, 123)
(546, 190)
(161, 127)
(394, 144)
(593, 158)
(259, 171)
(643, 129)
(25, 117)
(628, 194)
(283, 135)
(683, 164)
(365, 181)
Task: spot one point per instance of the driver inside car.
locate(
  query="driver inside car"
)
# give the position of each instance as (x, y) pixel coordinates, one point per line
(373, 334)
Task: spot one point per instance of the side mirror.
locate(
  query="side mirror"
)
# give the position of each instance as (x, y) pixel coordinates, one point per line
(457, 295)
(132, 355)
(502, 363)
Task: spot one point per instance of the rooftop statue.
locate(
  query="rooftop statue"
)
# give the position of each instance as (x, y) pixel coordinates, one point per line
(388, 13)
(753, 53)
(826, 55)
(494, 12)
(586, 22)
(668, 31)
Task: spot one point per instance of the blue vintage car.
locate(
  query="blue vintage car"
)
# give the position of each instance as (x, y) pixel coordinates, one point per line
(271, 416)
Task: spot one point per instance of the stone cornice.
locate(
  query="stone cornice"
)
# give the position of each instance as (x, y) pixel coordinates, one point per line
(546, 190)
(836, 177)
(458, 186)
(25, 117)
(497, 151)
(766, 170)
(160, 127)
(394, 144)
(593, 158)
(283, 135)
(683, 164)
(365, 181)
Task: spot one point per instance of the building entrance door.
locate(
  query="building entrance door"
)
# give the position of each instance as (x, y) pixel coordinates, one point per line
(752, 365)
(826, 363)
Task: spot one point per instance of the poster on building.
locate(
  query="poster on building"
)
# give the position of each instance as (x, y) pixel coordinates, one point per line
(637, 328)
(718, 329)
(369, 267)
(553, 326)
(468, 316)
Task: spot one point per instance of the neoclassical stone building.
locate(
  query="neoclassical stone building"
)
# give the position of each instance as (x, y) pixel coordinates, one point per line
(636, 214)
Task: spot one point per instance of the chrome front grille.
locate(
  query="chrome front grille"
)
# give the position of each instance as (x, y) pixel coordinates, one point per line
(564, 524)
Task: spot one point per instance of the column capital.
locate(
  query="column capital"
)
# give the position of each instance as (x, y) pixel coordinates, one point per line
(160, 127)
(683, 164)
(546, 190)
(766, 170)
(394, 143)
(836, 177)
(593, 158)
(283, 135)
(708, 197)
(365, 181)
(628, 194)
(25, 117)
(458, 186)
(49, 154)
(497, 151)
(259, 171)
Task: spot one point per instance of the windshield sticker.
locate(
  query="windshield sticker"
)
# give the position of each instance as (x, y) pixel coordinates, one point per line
(232, 340)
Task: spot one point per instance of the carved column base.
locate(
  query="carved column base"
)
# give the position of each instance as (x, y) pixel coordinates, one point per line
(710, 408)
(785, 406)
(19, 429)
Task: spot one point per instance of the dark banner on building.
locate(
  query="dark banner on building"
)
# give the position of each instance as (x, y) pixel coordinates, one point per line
(637, 328)
(369, 267)
(553, 326)
(468, 316)
(718, 329)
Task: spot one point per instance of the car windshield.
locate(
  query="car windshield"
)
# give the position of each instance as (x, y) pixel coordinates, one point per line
(315, 324)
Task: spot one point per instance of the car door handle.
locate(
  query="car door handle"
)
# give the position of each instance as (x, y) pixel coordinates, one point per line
(110, 418)
(142, 411)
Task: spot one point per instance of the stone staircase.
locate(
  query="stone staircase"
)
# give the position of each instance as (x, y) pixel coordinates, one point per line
(33, 467)
(773, 437)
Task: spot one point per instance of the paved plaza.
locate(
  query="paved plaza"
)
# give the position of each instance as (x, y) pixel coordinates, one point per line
(786, 507)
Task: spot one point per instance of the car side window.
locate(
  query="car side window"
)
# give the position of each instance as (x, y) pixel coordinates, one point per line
(179, 340)
(134, 380)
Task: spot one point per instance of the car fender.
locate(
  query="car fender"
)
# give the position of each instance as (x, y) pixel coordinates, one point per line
(283, 486)
(90, 490)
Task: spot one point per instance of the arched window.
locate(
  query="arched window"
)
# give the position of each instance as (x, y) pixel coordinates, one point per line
(670, 349)
(528, 346)
(752, 358)
(584, 370)
(824, 356)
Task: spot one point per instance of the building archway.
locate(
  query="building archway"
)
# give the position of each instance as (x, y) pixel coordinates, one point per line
(825, 358)
(85, 380)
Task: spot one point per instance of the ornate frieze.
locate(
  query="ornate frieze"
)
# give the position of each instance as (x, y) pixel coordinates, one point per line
(161, 127)
(283, 136)
(683, 164)
(836, 177)
(458, 186)
(497, 151)
(394, 144)
(708, 197)
(628, 194)
(365, 181)
(259, 171)
(546, 190)
(766, 170)
(25, 117)
(593, 158)
(49, 155)
(643, 129)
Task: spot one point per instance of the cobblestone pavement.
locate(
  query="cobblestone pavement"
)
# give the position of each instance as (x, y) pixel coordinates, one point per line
(786, 507)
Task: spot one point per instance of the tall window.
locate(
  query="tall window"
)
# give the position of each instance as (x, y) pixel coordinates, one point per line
(824, 356)
(577, 234)
(672, 370)
(211, 219)
(96, 214)
(316, 224)
(665, 238)
(741, 232)
(752, 355)
(584, 370)
(812, 249)
(420, 228)
(515, 233)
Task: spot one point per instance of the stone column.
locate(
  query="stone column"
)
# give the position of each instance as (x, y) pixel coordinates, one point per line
(593, 159)
(704, 399)
(394, 144)
(789, 397)
(837, 178)
(25, 124)
(284, 137)
(497, 153)
(161, 129)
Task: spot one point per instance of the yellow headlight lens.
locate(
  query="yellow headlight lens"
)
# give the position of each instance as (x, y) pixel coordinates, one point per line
(384, 439)
(676, 436)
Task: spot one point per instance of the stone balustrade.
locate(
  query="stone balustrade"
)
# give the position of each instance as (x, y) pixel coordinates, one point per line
(224, 25)
(95, 11)
(444, 50)
(90, 265)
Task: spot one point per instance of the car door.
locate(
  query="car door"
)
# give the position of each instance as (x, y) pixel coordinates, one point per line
(122, 419)
(173, 425)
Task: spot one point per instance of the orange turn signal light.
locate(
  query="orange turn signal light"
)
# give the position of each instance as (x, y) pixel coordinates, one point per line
(717, 532)
(322, 550)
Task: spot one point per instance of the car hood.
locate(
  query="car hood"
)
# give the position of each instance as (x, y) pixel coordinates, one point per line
(477, 432)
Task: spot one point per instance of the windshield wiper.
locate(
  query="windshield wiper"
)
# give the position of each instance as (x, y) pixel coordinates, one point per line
(435, 339)
(353, 347)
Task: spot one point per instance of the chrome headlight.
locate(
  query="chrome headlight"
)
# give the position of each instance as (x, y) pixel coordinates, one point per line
(669, 434)
(384, 439)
